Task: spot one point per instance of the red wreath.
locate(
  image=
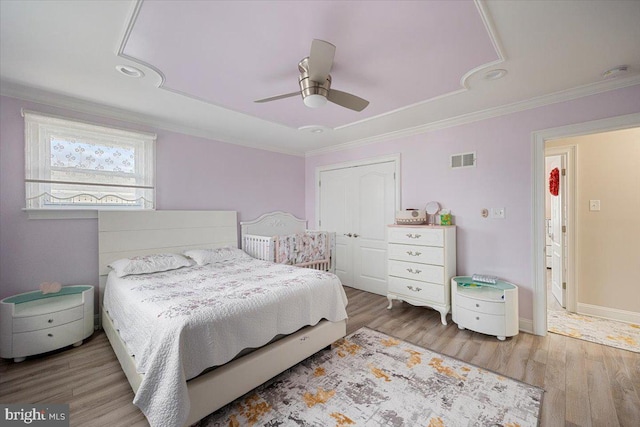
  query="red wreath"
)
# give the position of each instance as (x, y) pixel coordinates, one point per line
(554, 181)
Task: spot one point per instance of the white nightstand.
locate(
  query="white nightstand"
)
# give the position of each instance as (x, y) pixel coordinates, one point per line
(490, 309)
(33, 322)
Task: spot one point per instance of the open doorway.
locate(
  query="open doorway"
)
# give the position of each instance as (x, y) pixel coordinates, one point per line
(578, 294)
(592, 226)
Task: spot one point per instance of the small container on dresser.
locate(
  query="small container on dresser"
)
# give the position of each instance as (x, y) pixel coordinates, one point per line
(33, 322)
(421, 261)
(487, 308)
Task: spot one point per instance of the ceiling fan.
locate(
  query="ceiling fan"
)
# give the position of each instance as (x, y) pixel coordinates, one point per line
(315, 81)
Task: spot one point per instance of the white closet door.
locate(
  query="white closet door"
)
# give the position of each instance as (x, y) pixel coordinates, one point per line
(335, 215)
(358, 203)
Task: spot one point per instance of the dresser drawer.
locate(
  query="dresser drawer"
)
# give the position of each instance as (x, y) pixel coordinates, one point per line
(413, 271)
(480, 306)
(57, 318)
(419, 254)
(418, 290)
(489, 324)
(35, 342)
(417, 236)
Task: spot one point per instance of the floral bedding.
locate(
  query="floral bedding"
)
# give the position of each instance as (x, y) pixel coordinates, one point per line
(179, 323)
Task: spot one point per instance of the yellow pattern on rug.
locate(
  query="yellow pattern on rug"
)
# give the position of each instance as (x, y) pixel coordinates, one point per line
(322, 396)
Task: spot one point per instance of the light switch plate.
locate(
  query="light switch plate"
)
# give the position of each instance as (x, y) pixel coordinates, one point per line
(594, 205)
(498, 213)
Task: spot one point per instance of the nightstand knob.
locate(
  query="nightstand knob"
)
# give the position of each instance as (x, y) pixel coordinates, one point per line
(49, 335)
(477, 318)
(477, 305)
(50, 320)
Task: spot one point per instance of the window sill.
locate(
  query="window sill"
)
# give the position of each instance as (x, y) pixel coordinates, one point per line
(69, 213)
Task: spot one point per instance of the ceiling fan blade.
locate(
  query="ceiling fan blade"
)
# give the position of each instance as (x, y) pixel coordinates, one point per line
(274, 98)
(347, 100)
(320, 60)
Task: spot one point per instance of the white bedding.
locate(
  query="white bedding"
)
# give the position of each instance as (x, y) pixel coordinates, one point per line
(179, 323)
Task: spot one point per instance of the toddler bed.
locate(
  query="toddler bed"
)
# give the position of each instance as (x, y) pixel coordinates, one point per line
(282, 238)
(167, 327)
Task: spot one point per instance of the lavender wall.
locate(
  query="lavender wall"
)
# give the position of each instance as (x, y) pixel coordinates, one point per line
(502, 178)
(192, 173)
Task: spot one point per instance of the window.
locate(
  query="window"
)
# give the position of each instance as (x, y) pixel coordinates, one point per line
(75, 165)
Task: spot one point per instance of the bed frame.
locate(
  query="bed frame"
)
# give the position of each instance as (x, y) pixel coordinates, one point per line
(258, 238)
(126, 234)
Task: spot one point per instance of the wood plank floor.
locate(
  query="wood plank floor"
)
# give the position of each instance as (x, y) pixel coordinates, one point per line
(586, 384)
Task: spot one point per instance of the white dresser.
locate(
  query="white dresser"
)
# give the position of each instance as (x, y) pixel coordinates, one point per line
(33, 322)
(490, 309)
(421, 261)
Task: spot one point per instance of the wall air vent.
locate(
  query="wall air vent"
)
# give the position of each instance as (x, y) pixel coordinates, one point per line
(463, 160)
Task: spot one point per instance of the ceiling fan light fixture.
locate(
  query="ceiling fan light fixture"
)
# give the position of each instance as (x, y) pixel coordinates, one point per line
(314, 101)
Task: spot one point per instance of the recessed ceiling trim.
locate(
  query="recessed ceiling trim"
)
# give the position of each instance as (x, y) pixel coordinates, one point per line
(463, 81)
(31, 94)
(497, 45)
(135, 11)
(14, 90)
(554, 98)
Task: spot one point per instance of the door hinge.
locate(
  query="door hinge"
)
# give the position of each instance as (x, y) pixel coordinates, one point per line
(319, 183)
(319, 223)
(564, 285)
(564, 228)
(394, 176)
(564, 172)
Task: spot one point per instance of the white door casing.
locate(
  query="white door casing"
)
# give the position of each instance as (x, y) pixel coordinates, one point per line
(538, 139)
(358, 201)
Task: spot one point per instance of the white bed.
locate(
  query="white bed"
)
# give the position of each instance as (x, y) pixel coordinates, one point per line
(258, 238)
(126, 234)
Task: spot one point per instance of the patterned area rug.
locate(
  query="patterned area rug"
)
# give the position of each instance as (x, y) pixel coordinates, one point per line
(602, 331)
(372, 379)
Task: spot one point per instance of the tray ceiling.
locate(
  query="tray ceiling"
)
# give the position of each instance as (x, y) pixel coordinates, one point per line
(419, 63)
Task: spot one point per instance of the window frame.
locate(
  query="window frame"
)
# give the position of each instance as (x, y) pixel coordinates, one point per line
(39, 131)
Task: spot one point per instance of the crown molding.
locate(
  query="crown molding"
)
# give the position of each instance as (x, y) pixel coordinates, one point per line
(539, 101)
(14, 90)
(40, 96)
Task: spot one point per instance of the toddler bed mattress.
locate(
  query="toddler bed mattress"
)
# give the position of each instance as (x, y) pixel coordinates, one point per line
(178, 323)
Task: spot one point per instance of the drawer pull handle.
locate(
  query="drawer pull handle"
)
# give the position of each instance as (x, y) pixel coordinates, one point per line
(477, 318)
(414, 235)
(477, 305)
(49, 335)
(411, 253)
(416, 289)
(416, 271)
(50, 320)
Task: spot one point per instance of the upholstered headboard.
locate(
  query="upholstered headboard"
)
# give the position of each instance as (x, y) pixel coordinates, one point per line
(127, 234)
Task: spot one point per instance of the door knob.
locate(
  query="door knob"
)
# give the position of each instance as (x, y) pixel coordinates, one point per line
(355, 235)
(348, 234)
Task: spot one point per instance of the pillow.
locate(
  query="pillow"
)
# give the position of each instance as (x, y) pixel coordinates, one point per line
(148, 264)
(209, 256)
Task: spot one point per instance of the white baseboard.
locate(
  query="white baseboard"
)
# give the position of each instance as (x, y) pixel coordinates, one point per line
(609, 313)
(525, 325)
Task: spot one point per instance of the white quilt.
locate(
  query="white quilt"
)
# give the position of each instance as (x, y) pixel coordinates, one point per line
(179, 323)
